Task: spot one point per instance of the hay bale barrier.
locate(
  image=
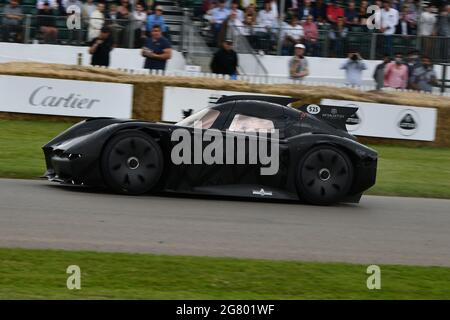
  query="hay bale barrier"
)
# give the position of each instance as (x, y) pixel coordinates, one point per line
(148, 94)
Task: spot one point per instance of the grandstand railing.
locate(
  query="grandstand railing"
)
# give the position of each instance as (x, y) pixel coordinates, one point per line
(371, 45)
(124, 31)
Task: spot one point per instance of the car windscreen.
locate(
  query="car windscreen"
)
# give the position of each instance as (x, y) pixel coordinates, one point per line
(203, 119)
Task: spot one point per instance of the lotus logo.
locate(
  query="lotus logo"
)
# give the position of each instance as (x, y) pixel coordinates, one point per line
(408, 122)
(354, 121)
(262, 193)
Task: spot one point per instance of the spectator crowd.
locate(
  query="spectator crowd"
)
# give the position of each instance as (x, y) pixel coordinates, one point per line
(302, 21)
(121, 16)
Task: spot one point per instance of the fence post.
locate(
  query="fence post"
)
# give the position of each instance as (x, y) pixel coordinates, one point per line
(26, 37)
(373, 46)
(444, 77)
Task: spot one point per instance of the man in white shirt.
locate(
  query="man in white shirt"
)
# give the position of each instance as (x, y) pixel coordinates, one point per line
(96, 21)
(266, 18)
(427, 22)
(389, 21)
(218, 16)
(292, 34)
(238, 12)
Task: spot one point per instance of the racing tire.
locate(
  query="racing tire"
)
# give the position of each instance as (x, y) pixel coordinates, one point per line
(325, 175)
(132, 163)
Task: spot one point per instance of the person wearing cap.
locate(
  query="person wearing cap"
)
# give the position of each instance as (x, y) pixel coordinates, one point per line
(298, 65)
(157, 19)
(225, 60)
(100, 48)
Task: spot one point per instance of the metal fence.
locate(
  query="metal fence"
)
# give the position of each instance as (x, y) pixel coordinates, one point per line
(127, 34)
(54, 30)
(328, 43)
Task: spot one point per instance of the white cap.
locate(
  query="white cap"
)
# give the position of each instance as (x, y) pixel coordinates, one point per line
(299, 45)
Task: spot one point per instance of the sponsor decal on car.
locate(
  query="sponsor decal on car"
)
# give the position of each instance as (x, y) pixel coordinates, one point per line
(262, 193)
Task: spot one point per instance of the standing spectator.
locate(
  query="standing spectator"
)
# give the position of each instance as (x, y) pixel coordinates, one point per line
(362, 13)
(123, 16)
(225, 60)
(219, 14)
(274, 6)
(100, 48)
(443, 30)
(157, 19)
(248, 30)
(320, 11)
(443, 22)
(157, 50)
(292, 7)
(113, 23)
(12, 20)
(334, 11)
(404, 26)
(46, 22)
(354, 67)
(396, 73)
(424, 77)
(305, 10)
(239, 14)
(292, 34)
(96, 21)
(427, 21)
(311, 36)
(338, 35)
(378, 74)
(88, 8)
(389, 21)
(351, 15)
(251, 11)
(139, 25)
(298, 65)
(266, 19)
(413, 62)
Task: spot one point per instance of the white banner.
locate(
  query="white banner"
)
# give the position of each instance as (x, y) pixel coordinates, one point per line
(179, 102)
(65, 97)
(389, 121)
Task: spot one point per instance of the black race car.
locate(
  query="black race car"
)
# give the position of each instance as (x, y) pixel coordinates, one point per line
(317, 160)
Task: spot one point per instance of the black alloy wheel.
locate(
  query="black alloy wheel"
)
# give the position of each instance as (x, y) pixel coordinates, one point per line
(132, 163)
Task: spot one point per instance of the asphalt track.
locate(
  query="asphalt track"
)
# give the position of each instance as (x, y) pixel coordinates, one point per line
(38, 214)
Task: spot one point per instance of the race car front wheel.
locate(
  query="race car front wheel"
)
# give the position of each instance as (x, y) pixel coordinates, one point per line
(132, 162)
(325, 175)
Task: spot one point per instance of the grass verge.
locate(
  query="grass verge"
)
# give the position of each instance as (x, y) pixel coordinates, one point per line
(41, 274)
(419, 172)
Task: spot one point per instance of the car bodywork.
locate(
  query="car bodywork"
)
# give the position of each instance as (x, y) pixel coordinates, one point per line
(74, 156)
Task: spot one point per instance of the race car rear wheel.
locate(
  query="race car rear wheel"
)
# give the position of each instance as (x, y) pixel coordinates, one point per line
(325, 175)
(132, 163)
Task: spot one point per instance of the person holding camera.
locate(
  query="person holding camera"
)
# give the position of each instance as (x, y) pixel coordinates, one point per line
(354, 66)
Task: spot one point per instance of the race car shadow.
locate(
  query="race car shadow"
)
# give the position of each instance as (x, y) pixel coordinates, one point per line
(170, 195)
